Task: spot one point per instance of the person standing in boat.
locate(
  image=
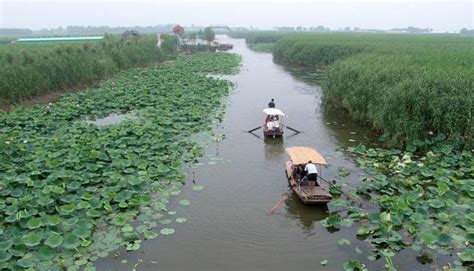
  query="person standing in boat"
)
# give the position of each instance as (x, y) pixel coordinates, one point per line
(312, 172)
(271, 104)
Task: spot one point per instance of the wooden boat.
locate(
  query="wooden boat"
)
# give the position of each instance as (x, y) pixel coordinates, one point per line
(224, 46)
(299, 157)
(272, 126)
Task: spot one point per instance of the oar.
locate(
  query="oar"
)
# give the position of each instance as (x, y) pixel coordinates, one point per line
(342, 192)
(249, 131)
(257, 136)
(280, 202)
(293, 129)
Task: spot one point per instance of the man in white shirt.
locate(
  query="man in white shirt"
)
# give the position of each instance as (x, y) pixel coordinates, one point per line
(312, 172)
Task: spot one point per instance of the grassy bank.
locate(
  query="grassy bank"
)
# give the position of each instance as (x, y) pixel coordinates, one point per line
(265, 36)
(72, 192)
(262, 47)
(264, 41)
(32, 70)
(407, 87)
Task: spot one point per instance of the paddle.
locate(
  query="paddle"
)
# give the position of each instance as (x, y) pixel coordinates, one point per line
(249, 131)
(293, 129)
(280, 202)
(257, 136)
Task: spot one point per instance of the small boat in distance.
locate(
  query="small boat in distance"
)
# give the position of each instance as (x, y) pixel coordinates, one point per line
(299, 157)
(273, 126)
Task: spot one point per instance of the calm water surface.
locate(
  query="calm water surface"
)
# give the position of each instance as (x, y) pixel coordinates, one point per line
(229, 226)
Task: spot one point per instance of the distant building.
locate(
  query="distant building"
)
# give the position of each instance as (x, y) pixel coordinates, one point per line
(178, 30)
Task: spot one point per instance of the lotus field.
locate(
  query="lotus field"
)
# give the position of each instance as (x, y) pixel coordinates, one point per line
(424, 200)
(72, 191)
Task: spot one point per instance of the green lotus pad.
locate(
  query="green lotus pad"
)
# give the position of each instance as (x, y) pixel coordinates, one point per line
(167, 231)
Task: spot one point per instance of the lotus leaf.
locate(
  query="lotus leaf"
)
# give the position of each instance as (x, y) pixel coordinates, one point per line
(344, 242)
(198, 187)
(385, 217)
(71, 241)
(83, 205)
(127, 228)
(167, 231)
(68, 208)
(6, 244)
(4, 256)
(46, 253)
(181, 219)
(165, 221)
(332, 221)
(135, 245)
(81, 232)
(176, 192)
(467, 255)
(32, 239)
(34, 223)
(25, 262)
(52, 220)
(150, 234)
(43, 200)
(184, 202)
(363, 231)
(354, 265)
(71, 221)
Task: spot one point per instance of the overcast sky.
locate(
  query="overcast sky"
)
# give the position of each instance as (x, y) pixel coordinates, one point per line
(439, 15)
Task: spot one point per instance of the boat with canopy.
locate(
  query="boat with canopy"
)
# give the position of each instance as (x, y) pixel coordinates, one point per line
(273, 126)
(299, 157)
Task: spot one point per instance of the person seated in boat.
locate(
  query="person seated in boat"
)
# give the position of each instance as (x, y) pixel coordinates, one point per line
(312, 174)
(268, 118)
(271, 104)
(270, 125)
(297, 173)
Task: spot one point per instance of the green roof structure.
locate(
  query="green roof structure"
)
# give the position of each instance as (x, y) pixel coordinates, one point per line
(58, 39)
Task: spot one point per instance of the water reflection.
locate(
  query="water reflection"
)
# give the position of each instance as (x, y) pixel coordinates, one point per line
(308, 215)
(273, 148)
(309, 75)
(347, 131)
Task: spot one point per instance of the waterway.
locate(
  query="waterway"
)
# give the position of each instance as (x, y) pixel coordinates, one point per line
(228, 223)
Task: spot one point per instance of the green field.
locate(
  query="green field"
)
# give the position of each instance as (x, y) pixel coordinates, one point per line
(261, 47)
(69, 189)
(405, 86)
(260, 41)
(32, 70)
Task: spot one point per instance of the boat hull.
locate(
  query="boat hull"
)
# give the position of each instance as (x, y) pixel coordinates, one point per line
(273, 133)
(319, 195)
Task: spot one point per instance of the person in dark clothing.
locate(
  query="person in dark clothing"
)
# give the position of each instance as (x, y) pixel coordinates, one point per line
(271, 104)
